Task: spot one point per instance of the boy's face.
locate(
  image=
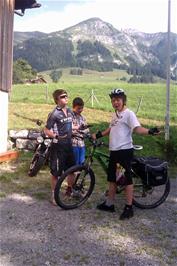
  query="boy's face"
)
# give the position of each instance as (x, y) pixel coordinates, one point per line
(63, 100)
(117, 103)
(78, 109)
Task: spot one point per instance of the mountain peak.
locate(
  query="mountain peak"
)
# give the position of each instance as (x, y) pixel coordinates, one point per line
(99, 44)
(87, 21)
(92, 28)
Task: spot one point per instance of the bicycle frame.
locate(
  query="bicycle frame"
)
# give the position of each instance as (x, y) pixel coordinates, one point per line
(100, 156)
(145, 197)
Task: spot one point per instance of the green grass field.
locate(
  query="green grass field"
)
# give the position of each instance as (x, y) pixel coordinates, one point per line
(89, 76)
(35, 101)
(30, 102)
(152, 97)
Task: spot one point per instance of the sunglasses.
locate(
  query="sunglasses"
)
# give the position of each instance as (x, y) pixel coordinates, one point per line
(63, 96)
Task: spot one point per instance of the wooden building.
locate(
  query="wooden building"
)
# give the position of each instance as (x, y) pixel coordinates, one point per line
(7, 9)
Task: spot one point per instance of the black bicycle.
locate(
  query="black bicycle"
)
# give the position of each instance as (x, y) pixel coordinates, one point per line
(150, 179)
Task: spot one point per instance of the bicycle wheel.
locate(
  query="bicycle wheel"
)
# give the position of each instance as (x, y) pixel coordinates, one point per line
(148, 197)
(82, 179)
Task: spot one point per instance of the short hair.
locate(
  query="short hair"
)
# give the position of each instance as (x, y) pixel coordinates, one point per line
(57, 93)
(78, 101)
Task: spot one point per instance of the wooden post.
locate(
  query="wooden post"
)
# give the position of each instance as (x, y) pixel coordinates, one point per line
(167, 118)
(46, 94)
(6, 59)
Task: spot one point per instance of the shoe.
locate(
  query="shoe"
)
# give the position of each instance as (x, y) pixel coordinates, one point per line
(127, 213)
(104, 207)
(68, 191)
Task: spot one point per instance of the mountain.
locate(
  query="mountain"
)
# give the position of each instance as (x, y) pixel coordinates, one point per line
(96, 44)
(19, 37)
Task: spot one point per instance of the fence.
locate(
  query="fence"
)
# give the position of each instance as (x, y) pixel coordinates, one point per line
(148, 101)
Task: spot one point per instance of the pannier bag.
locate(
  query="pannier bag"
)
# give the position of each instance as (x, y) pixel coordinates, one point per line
(153, 171)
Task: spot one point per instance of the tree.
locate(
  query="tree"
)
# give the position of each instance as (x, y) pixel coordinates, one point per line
(134, 79)
(22, 70)
(76, 71)
(56, 75)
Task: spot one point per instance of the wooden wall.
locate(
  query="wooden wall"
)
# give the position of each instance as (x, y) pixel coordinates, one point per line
(6, 44)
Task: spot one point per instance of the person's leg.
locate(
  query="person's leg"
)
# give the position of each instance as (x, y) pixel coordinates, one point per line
(70, 160)
(54, 170)
(111, 193)
(81, 155)
(127, 156)
(129, 194)
(53, 184)
(108, 204)
(76, 154)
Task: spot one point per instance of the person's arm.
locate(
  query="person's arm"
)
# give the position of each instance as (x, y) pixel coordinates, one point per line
(100, 134)
(145, 131)
(49, 133)
(141, 130)
(49, 125)
(106, 132)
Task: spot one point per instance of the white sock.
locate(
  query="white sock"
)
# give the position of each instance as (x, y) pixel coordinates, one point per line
(109, 202)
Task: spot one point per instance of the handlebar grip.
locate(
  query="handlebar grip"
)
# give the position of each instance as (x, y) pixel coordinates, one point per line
(153, 131)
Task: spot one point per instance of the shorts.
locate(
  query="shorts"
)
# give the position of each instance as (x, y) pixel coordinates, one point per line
(124, 158)
(79, 154)
(61, 158)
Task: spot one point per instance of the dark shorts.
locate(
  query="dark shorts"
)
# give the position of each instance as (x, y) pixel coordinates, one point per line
(124, 158)
(61, 158)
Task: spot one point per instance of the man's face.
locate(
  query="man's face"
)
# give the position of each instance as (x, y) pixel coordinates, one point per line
(78, 109)
(117, 103)
(63, 99)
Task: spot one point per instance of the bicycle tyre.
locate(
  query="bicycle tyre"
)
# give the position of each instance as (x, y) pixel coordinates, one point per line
(84, 184)
(37, 162)
(150, 197)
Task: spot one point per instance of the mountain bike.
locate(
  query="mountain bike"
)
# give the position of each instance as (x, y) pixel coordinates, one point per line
(150, 179)
(41, 154)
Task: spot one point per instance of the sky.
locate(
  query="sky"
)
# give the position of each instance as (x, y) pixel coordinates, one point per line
(143, 15)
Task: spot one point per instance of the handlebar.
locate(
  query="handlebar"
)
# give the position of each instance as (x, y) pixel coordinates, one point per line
(98, 143)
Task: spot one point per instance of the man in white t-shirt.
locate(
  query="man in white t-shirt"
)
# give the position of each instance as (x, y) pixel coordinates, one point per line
(124, 122)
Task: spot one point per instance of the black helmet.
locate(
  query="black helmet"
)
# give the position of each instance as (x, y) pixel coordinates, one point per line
(118, 93)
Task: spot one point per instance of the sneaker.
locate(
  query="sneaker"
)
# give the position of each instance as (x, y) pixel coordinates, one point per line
(104, 207)
(127, 213)
(68, 191)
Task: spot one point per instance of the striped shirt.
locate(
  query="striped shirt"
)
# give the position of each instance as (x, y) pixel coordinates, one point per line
(77, 136)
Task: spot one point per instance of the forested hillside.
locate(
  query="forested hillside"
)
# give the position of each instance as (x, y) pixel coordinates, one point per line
(97, 45)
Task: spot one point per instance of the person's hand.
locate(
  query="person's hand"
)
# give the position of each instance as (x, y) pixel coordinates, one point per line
(93, 136)
(83, 127)
(75, 127)
(154, 131)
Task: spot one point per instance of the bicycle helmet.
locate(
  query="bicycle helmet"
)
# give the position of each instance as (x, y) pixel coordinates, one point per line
(118, 93)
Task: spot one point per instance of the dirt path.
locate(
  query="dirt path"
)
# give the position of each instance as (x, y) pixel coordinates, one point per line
(37, 234)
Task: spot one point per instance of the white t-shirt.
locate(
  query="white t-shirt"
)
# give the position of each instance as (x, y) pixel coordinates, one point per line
(122, 125)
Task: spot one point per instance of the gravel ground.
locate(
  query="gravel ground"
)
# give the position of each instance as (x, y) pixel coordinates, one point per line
(37, 234)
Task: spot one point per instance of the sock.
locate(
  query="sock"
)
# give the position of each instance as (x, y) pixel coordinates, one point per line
(128, 206)
(109, 202)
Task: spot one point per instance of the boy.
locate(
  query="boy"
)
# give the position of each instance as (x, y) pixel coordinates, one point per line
(124, 123)
(78, 139)
(59, 126)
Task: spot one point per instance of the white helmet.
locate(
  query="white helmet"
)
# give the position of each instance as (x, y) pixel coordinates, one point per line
(117, 92)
